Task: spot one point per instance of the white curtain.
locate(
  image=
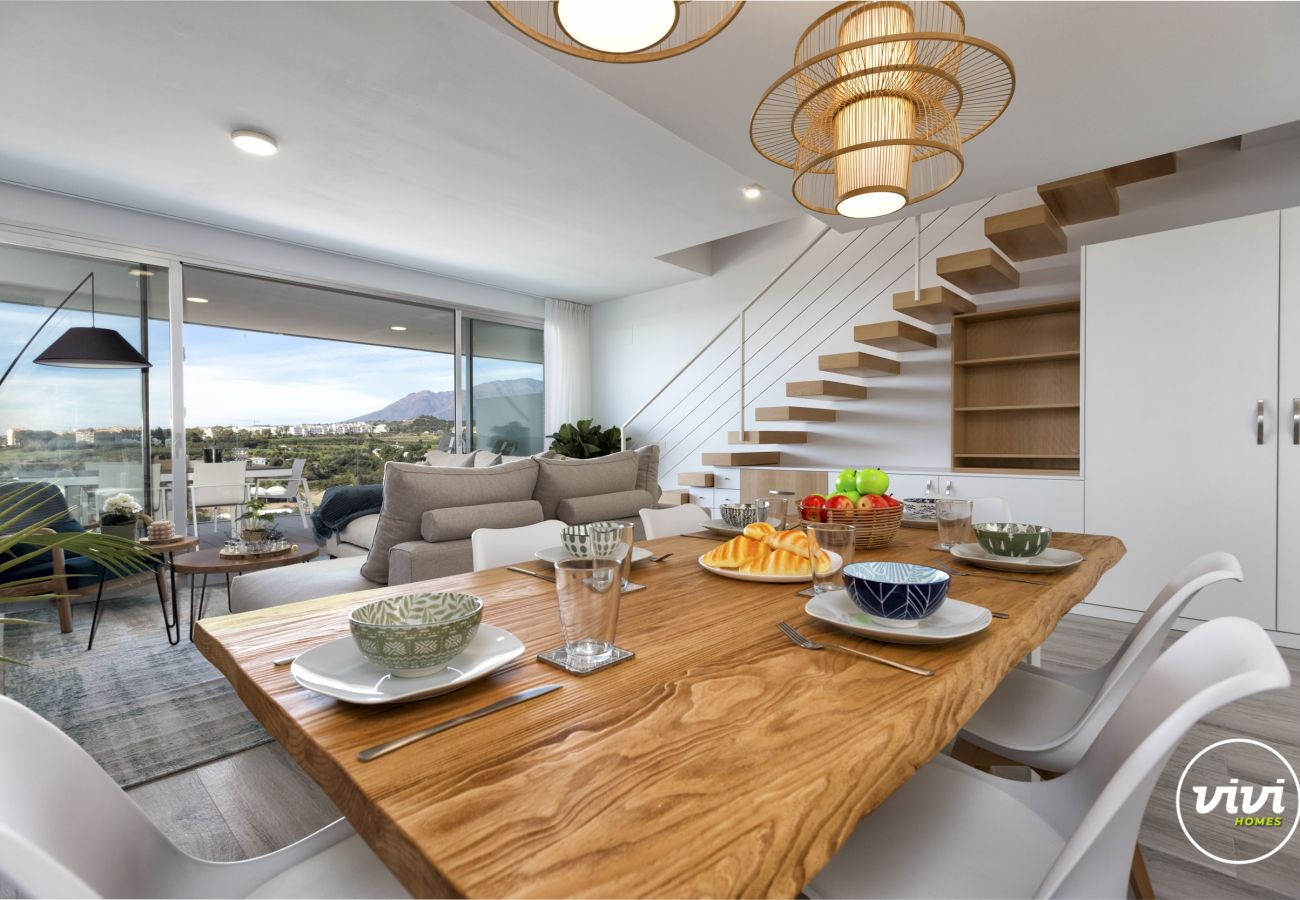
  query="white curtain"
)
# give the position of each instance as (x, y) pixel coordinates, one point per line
(567, 360)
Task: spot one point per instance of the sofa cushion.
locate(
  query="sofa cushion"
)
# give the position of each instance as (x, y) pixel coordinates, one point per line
(360, 532)
(443, 458)
(562, 479)
(421, 561)
(411, 490)
(485, 458)
(620, 505)
(456, 523)
(289, 584)
(647, 472)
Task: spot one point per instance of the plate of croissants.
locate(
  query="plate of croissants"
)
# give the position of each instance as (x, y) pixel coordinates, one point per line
(764, 554)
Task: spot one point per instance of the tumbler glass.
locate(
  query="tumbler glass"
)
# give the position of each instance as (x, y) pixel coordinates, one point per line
(954, 520)
(588, 592)
(623, 541)
(836, 541)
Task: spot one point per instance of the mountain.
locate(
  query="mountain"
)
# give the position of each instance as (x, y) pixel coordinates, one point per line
(442, 404)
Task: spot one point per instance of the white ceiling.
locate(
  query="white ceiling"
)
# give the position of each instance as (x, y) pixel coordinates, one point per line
(434, 135)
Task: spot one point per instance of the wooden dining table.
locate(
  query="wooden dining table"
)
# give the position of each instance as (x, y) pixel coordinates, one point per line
(721, 760)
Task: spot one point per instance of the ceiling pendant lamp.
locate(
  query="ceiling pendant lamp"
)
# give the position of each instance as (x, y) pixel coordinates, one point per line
(880, 100)
(625, 31)
(90, 348)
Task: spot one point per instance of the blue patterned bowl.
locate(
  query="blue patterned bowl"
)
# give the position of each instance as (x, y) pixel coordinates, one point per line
(897, 594)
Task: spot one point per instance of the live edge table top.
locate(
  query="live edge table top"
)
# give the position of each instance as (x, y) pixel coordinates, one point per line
(721, 761)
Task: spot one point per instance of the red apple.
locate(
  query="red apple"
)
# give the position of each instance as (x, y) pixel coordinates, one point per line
(865, 501)
(812, 508)
(839, 501)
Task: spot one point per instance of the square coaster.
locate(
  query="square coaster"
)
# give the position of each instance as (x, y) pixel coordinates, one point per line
(631, 588)
(559, 657)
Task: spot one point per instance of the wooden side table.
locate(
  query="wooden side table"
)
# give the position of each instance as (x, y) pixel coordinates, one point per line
(211, 562)
(169, 549)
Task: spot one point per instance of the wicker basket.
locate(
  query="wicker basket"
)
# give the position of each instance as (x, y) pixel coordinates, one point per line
(876, 527)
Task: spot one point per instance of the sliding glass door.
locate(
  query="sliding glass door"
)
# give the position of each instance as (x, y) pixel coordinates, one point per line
(503, 387)
(91, 432)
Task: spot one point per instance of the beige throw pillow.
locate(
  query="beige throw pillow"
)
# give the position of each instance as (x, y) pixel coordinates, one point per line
(443, 458)
(561, 479)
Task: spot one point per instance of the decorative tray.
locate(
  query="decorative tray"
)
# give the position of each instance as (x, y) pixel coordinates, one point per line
(255, 549)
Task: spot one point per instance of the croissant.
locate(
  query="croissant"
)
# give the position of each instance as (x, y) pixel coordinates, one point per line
(735, 553)
(783, 562)
(794, 541)
(759, 530)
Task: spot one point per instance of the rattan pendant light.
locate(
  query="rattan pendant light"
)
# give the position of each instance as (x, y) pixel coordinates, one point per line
(619, 31)
(880, 100)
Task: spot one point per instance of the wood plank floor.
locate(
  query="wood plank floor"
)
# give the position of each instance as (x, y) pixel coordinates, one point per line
(259, 800)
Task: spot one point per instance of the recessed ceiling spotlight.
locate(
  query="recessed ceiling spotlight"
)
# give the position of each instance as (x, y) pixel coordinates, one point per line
(752, 191)
(140, 273)
(396, 327)
(255, 142)
(196, 299)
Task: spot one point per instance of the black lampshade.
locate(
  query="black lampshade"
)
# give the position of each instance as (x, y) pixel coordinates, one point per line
(92, 348)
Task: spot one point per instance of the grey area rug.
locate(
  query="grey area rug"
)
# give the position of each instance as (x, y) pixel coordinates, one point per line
(142, 708)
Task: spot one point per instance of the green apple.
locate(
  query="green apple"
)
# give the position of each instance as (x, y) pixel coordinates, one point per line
(848, 480)
(872, 481)
(854, 496)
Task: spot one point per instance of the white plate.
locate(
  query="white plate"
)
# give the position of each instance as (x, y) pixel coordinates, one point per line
(1050, 560)
(338, 669)
(718, 526)
(771, 579)
(954, 619)
(553, 555)
(919, 523)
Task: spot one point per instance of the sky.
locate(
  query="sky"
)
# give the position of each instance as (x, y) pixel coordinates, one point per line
(231, 377)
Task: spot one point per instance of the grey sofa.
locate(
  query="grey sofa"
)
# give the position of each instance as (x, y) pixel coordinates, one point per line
(423, 529)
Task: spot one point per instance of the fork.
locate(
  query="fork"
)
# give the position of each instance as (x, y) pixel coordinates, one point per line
(800, 641)
(942, 568)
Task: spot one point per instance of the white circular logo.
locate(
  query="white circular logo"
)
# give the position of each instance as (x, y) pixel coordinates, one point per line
(1236, 784)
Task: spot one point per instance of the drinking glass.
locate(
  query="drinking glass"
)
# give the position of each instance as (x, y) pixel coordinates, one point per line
(623, 540)
(833, 538)
(588, 592)
(954, 521)
(781, 500)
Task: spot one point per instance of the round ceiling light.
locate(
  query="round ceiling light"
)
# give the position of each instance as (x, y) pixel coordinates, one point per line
(255, 142)
(880, 100)
(196, 299)
(752, 191)
(625, 31)
(396, 327)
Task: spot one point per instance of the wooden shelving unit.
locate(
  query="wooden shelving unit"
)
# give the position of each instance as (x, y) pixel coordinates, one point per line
(1015, 389)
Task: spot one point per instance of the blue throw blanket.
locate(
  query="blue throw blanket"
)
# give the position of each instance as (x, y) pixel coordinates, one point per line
(343, 503)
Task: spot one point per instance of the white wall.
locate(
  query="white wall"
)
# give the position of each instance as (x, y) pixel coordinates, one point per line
(640, 340)
(64, 216)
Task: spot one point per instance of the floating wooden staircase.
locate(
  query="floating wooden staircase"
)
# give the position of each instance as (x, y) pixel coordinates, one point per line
(794, 414)
(860, 365)
(978, 271)
(767, 437)
(734, 458)
(674, 497)
(695, 479)
(895, 336)
(825, 390)
(1082, 198)
(1030, 233)
(937, 305)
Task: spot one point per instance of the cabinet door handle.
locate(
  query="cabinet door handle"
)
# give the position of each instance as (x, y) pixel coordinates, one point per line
(1259, 421)
(929, 487)
(1295, 420)
(947, 488)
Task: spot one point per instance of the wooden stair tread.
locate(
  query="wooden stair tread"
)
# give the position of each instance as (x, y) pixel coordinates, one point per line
(825, 390)
(896, 336)
(1082, 198)
(1030, 233)
(733, 458)
(1144, 169)
(937, 305)
(794, 414)
(978, 271)
(695, 479)
(753, 436)
(862, 365)
(674, 497)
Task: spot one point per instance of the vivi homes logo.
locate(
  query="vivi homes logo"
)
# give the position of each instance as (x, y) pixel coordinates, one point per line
(1237, 801)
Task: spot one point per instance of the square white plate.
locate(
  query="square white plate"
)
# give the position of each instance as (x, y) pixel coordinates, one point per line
(337, 669)
(1050, 560)
(954, 619)
(553, 555)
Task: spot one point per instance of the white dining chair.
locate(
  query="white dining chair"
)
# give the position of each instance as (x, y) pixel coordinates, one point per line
(67, 830)
(673, 520)
(293, 489)
(989, 509)
(493, 547)
(954, 831)
(216, 485)
(1046, 718)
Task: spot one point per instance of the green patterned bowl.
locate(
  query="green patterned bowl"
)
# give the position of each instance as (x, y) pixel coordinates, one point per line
(416, 634)
(1013, 539)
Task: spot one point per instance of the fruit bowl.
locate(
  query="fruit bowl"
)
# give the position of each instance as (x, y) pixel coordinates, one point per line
(1013, 539)
(874, 528)
(896, 594)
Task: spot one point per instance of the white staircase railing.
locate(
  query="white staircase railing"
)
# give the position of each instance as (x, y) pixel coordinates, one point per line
(739, 317)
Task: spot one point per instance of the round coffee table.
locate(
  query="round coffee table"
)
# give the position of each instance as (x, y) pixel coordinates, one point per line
(211, 562)
(159, 549)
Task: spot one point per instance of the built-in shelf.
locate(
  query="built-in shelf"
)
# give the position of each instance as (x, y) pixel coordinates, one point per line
(1018, 358)
(1013, 407)
(1016, 455)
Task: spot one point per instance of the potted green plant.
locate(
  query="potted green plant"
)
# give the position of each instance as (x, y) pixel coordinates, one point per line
(259, 521)
(121, 517)
(584, 440)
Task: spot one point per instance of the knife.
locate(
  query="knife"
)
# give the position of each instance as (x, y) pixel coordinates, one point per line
(544, 577)
(396, 744)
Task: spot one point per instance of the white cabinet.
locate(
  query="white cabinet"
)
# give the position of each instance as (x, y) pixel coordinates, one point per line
(1054, 502)
(1288, 407)
(1180, 409)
